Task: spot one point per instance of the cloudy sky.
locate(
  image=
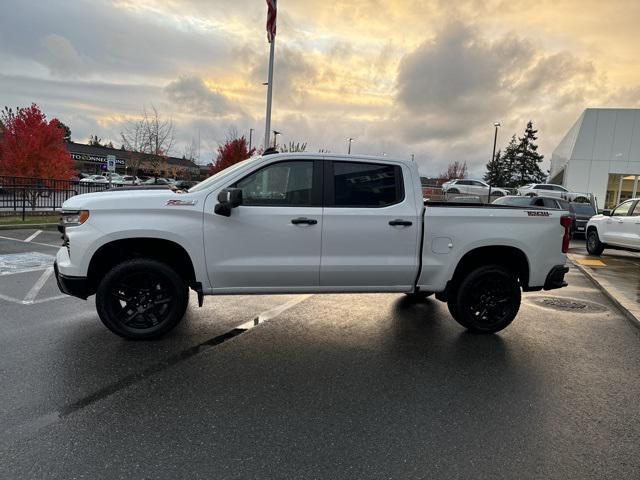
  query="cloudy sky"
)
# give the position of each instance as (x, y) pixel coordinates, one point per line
(404, 77)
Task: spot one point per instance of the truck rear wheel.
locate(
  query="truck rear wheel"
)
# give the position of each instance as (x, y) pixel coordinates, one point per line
(141, 299)
(487, 300)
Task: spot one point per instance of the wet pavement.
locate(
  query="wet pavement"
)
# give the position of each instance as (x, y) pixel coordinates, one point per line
(617, 272)
(327, 386)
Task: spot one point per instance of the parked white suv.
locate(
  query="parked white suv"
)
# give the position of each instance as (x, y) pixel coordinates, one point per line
(472, 187)
(550, 190)
(617, 228)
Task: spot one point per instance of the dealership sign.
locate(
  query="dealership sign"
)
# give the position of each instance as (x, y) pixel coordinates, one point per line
(84, 157)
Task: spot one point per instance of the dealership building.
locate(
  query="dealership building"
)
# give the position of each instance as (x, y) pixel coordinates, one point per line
(93, 160)
(600, 154)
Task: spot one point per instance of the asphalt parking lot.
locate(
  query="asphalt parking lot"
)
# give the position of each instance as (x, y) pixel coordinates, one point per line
(325, 386)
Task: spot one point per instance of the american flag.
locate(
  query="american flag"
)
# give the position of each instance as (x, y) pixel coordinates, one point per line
(271, 19)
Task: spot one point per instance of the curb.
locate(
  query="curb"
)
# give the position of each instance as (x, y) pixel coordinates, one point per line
(621, 304)
(37, 226)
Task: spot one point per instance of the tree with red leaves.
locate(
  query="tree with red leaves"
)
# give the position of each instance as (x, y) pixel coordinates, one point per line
(454, 170)
(31, 146)
(232, 151)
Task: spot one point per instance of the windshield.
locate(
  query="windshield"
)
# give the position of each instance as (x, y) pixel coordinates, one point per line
(221, 174)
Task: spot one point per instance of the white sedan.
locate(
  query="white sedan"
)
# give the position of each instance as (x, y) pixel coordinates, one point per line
(472, 187)
(550, 190)
(617, 228)
(94, 179)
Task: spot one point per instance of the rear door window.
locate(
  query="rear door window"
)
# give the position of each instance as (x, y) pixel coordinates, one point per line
(358, 184)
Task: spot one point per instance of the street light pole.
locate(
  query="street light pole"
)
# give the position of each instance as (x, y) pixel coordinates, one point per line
(493, 156)
(350, 140)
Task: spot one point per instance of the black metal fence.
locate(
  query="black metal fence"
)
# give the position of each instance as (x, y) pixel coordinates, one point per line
(25, 195)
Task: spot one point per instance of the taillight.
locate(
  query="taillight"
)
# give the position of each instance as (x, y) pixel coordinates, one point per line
(566, 221)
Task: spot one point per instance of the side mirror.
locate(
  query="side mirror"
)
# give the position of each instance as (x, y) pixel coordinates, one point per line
(232, 196)
(606, 212)
(228, 199)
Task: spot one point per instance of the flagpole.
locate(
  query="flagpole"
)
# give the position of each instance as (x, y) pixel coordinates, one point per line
(267, 128)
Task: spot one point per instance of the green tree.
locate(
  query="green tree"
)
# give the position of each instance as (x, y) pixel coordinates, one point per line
(496, 173)
(509, 163)
(528, 169)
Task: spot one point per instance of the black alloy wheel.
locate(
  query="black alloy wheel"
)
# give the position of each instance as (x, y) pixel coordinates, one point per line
(141, 299)
(487, 300)
(594, 245)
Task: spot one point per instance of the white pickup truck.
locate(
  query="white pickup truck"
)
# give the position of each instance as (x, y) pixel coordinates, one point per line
(300, 223)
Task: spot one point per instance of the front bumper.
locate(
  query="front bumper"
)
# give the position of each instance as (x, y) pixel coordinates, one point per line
(74, 286)
(555, 278)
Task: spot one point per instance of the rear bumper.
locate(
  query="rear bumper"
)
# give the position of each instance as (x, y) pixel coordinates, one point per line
(74, 286)
(555, 278)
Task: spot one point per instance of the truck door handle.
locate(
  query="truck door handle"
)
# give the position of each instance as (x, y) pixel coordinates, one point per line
(399, 221)
(304, 220)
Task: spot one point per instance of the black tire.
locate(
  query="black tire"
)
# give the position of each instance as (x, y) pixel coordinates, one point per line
(487, 300)
(497, 194)
(418, 296)
(141, 299)
(594, 245)
(531, 195)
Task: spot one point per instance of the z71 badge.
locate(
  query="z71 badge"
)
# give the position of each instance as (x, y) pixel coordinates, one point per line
(180, 203)
(538, 214)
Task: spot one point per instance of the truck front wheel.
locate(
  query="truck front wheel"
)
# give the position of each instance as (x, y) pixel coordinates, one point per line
(141, 299)
(487, 300)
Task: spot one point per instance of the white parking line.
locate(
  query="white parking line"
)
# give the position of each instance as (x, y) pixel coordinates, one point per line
(32, 243)
(274, 312)
(35, 290)
(31, 237)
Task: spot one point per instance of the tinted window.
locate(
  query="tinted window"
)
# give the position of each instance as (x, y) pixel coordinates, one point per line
(583, 209)
(284, 183)
(550, 203)
(478, 184)
(463, 182)
(543, 187)
(636, 211)
(366, 184)
(623, 209)
(558, 188)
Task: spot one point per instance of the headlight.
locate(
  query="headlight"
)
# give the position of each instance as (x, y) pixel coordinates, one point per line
(74, 218)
